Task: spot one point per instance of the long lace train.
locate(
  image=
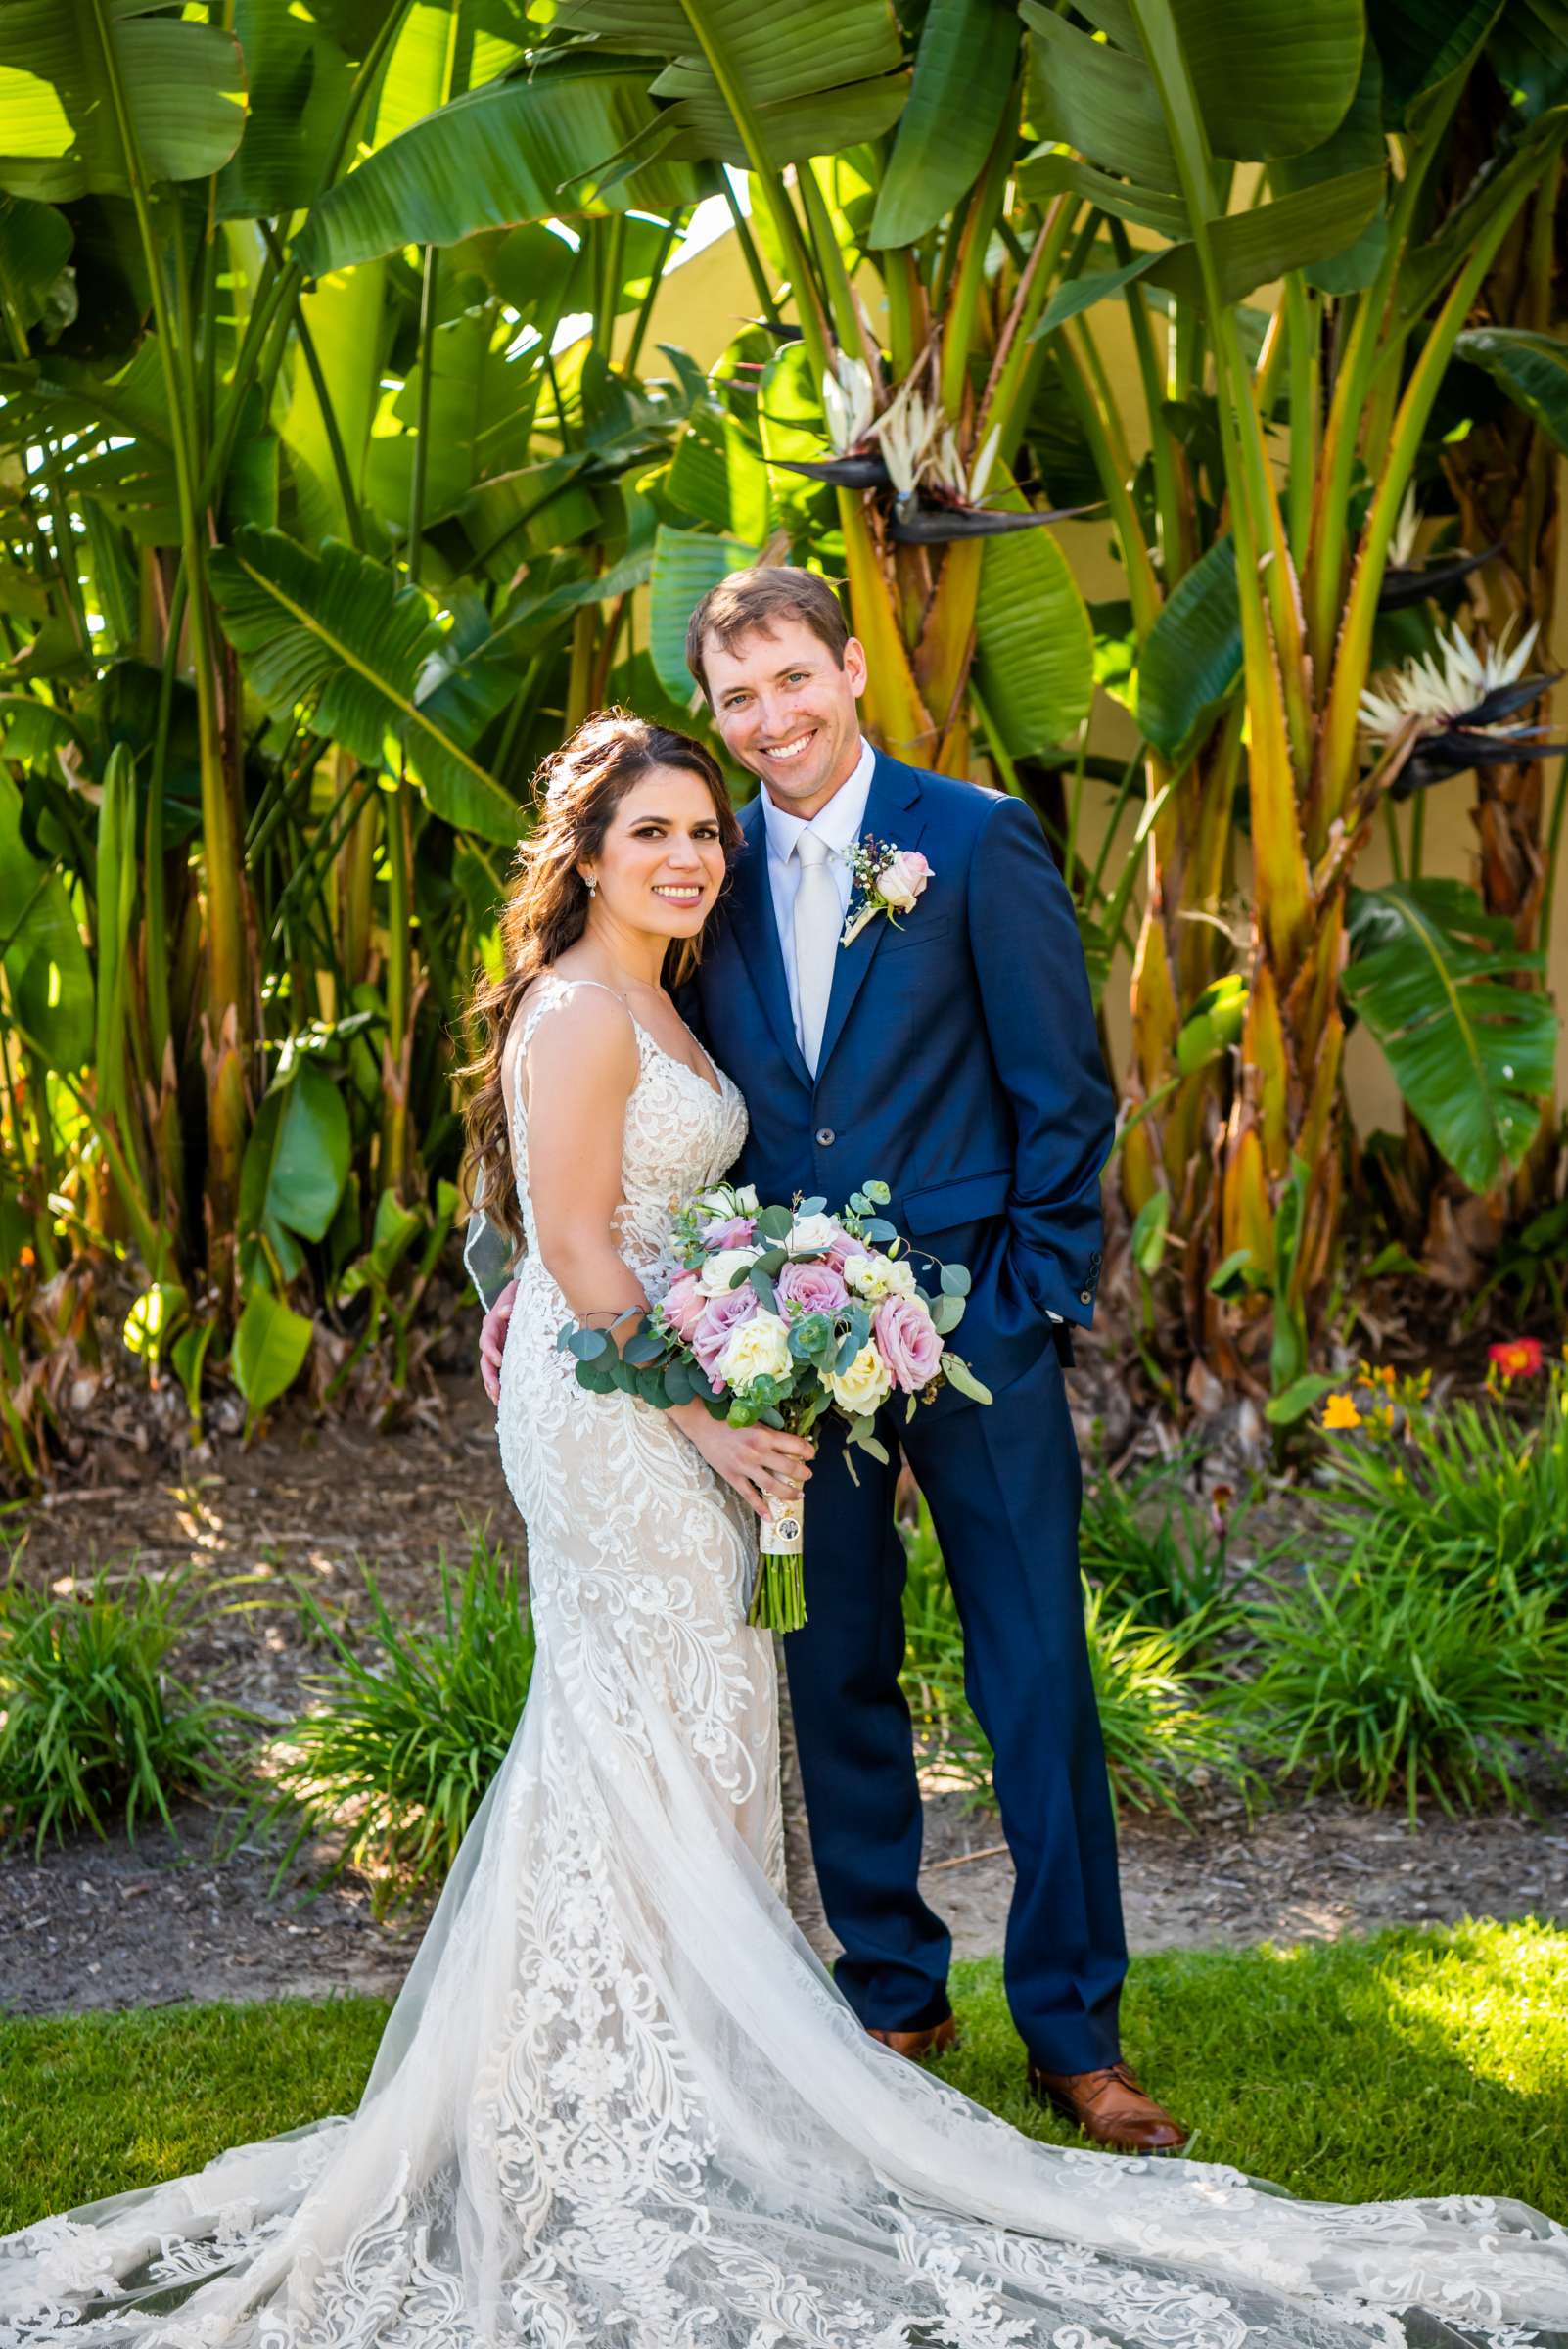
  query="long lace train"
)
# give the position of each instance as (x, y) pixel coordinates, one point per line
(618, 2104)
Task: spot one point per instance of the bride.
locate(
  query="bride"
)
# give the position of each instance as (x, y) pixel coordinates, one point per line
(618, 2104)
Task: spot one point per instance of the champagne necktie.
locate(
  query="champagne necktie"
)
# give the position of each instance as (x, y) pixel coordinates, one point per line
(818, 918)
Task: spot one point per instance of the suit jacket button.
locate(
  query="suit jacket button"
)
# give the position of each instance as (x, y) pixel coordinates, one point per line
(1085, 1296)
(826, 1137)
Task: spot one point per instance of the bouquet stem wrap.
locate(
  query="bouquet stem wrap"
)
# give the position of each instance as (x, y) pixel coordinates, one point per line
(778, 1596)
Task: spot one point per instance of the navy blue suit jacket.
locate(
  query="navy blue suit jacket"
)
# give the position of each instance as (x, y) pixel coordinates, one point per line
(960, 1063)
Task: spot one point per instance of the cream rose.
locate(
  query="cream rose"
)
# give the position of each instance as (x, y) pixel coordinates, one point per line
(721, 1267)
(877, 1277)
(866, 1384)
(812, 1235)
(746, 1199)
(758, 1348)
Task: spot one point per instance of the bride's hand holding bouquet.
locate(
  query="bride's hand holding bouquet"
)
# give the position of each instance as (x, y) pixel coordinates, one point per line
(778, 1315)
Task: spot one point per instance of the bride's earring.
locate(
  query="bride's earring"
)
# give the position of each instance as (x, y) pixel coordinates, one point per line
(589, 883)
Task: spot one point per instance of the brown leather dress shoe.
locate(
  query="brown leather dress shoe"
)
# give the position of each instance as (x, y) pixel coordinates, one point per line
(1109, 2106)
(919, 2044)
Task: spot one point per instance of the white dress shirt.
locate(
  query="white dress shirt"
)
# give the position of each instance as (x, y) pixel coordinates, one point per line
(840, 825)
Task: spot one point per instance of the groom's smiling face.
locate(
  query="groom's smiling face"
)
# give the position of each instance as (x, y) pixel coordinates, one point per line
(788, 711)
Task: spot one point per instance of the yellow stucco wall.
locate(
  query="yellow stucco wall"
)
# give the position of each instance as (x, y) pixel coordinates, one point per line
(702, 306)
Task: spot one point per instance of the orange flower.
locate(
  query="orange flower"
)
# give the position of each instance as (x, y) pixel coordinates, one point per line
(25, 1256)
(1516, 1357)
(1340, 1412)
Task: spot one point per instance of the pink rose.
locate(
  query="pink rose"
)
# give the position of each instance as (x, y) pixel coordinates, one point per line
(719, 1317)
(814, 1288)
(903, 878)
(839, 1250)
(682, 1307)
(728, 1231)
(908, 1342)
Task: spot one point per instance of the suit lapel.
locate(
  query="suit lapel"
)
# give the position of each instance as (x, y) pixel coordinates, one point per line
(891, 813)
(756, 931)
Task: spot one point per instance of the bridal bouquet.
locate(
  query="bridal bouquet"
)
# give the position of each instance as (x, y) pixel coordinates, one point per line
(779, 1314)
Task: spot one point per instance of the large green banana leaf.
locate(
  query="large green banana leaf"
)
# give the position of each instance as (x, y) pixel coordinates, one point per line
(183, 85)
(47, 978)
(701, 129)
(442, 48)
(1191, 664)
(334, 629)
(346, 316)
(1249, 249)
(1422, 42)
(963, 72)
(1271, 79)
(1034, 642)
(817, 75)
(296, 1163)
(1360, 143)
(1473, 1055)
(1532, 368)
(120, 456)
(298, 84)
(271, 1342)
(686, 563)
(514, 151)
(34, 247)
(1274, 77)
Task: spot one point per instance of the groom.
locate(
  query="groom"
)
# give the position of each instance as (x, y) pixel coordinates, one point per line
(955, 1058)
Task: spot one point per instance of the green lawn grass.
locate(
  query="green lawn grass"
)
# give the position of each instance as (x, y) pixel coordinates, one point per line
(1414, 2062)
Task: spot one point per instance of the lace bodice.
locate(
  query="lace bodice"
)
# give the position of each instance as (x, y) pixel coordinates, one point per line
(680, 1135)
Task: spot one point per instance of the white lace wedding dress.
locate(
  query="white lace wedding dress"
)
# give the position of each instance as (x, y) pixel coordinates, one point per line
(620, 2105)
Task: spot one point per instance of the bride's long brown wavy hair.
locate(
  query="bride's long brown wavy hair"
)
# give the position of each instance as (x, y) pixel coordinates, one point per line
(576, 792)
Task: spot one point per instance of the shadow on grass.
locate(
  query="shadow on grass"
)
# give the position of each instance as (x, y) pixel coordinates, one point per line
(1418, 2062)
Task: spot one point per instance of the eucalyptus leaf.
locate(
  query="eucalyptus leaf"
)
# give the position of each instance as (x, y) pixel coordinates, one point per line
(959, 1375)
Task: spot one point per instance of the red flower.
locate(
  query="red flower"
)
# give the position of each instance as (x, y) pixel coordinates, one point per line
(1516, 1357)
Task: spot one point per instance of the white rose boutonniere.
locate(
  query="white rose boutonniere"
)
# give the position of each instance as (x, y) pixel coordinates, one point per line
(886, 880)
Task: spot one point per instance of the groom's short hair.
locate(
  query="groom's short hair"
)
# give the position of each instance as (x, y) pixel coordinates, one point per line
(751, 603)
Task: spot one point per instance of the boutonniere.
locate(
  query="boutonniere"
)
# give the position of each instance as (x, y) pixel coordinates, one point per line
(886, 880)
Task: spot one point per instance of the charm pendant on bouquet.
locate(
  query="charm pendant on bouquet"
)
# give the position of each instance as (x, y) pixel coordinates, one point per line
(778, 1594)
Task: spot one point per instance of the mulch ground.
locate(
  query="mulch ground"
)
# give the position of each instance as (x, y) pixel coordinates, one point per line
(117, 1923)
